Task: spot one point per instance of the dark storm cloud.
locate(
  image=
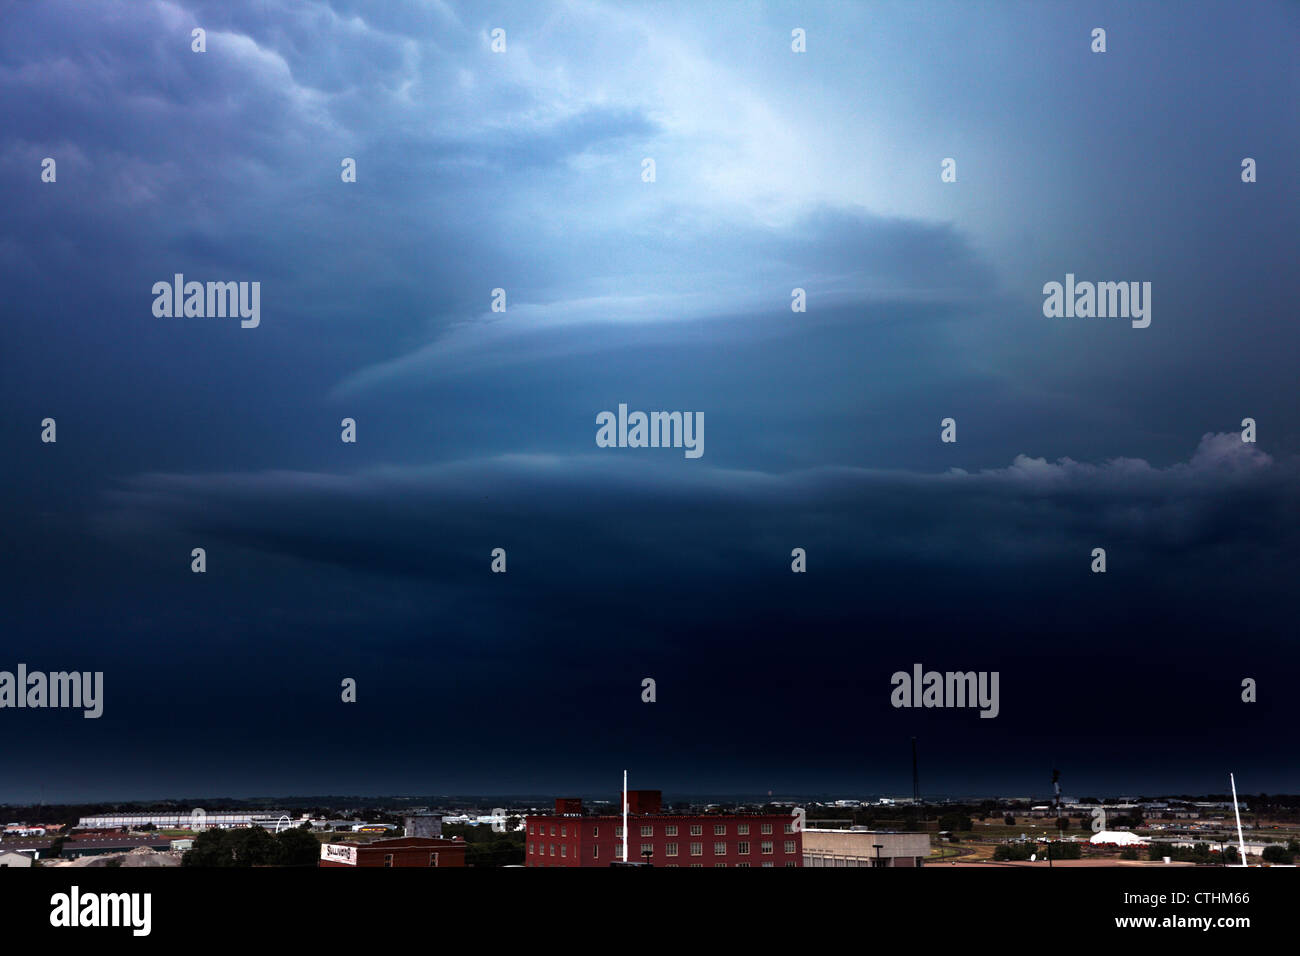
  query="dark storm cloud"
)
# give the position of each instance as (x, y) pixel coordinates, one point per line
(522, 171)
(1229, 504)
(622, 566)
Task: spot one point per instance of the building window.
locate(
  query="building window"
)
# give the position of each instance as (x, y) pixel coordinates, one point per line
(647, 830)
(696, 829)
(767, 847)
(697, 849)
(670, 849)
(618, 851)
(564, 830)
(552, 829)
(789, 846)
(719, 849)
(694, 865)
(670, 830)
(744, 866)
(743, 829)
(716, 865)
(789, 828)
(719, 829)
(742, 847)
(388, 859)
(766, 828)
(530, 829)
(618, 832)
(530, 846)
(552, 849)
(769, 864)
(595, 852)
(595, 831)
(789, 863)
(433, 859)
(647, 848)
(564, 849)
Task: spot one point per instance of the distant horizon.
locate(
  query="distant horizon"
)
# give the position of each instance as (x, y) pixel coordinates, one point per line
(669, 797)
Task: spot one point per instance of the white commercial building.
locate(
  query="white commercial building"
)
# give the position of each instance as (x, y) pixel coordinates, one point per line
(192, 820)
(1117, 838)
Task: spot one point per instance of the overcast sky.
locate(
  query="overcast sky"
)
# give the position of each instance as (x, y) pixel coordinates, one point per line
(774, 170)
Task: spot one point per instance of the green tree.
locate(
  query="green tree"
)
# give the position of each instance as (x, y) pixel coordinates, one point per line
(1014, 851)
(498, 852)
(954, 822)
(211, 848)
(296, 847)
(1276, 853)
(253, 846)
(1064, 851)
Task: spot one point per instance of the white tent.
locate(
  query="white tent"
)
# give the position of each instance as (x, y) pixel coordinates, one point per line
(1118, 838)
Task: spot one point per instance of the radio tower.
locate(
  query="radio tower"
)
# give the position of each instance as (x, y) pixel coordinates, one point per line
(1056, 788)
(916, 780)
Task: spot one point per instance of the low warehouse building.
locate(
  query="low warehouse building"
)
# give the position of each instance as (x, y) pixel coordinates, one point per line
(35, 848)
(97, 846)
(858, 847)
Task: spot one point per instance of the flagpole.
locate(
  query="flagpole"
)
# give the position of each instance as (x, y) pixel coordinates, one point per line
(1240, 839)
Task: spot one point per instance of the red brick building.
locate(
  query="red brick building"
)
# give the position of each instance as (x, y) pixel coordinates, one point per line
(570, 837)
(403, 851)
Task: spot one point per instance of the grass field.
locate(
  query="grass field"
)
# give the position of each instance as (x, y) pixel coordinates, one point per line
(978, 844)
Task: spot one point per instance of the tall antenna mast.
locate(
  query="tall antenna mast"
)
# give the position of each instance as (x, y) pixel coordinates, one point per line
(1241, 840)
(1056, 791)
(916, 780)
(625, 816)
